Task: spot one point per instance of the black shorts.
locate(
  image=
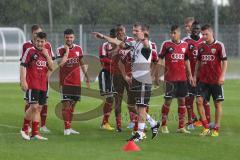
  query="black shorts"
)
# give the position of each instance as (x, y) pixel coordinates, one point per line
(176, 90)
(105, 80)
(34, 96)
(140, 93)
(120, 84)
(192, 91)
(207, 90)
(70, 93)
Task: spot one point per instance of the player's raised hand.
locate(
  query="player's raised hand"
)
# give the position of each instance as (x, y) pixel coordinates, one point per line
(66, 48)
(45, 52)
(98, 35)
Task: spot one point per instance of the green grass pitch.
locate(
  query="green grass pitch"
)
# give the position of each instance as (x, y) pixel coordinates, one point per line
(96, 144)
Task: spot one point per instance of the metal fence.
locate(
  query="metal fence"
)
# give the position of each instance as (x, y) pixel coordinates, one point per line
(228, 34)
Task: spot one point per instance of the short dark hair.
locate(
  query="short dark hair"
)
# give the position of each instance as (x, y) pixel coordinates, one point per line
(113, 33)
(119, 27)
(174, 27)
(196, 23)
(146, 27)
(42, 35)
(68, 31)
(35, 27)
(137, 24)
(206, 26)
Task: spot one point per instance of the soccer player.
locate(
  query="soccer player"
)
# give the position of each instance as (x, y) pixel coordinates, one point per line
(188, 24)
(34, 30)
(125, 64)
(70, 83)
(210, 71)
(140, 81)
(118, 68)
(35, 64)
(106, 79)
(194, 40)
(174, 52)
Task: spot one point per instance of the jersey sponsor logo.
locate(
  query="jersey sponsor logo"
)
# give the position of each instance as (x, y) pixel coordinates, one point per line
(208, 57)
(177, 56)
(41, 63)
(77, 53)
(213, 50)
(71, 61)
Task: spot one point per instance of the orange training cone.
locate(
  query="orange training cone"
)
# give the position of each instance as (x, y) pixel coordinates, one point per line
(131, 146)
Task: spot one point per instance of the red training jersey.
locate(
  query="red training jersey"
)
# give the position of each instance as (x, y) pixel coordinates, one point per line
(70, 72)
(193, 51)
(175, 55)
(36, 68)
(211, 57)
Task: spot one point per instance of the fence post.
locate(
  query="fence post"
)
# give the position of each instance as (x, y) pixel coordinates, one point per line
(80, 35)
(238, 54)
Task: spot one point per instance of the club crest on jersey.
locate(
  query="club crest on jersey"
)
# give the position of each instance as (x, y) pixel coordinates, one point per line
(201, 50)
(170, 50)
(183, 50)
(77, 53)
(191, 47)
(213, 50)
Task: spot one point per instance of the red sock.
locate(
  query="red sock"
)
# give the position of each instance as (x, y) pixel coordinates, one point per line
(44, 115)
(135, 128)
(207, 111)
(165, 110)
(26, 107)
(72, 112)
(132, 116)
(216, 128)
(26, 124)
(67, 117)
(205, 124)
(106, 112)
(119, 121)
(35, 128)
(181, 116)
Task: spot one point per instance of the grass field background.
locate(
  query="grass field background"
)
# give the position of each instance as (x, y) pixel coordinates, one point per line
(94, 143)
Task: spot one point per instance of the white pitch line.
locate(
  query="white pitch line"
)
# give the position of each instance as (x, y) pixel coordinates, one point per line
(9, 126)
